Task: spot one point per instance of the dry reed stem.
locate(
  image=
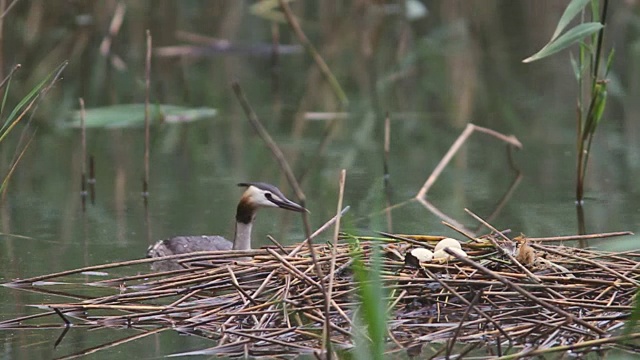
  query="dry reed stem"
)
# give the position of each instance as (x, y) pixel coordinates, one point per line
(505, 198)
(320, 230)
(467, 302)
(336, 232)
(525, 293)
(271, 144)
(284, 165)
(451, 342)
(507, 253)
(386, 174)
(589, 343)
(7, 9)
(407, 238)
(276, 243)
(14, 165)
(462, 232)
(243, 293)
(147, 120)
(92, 180)
(434, 210)
(322, 65)
(580, 237)
(83, 154)
(15, 68)
(114, 28)
(590, 262)
(512, 140)
(325, 139)
(332, 266)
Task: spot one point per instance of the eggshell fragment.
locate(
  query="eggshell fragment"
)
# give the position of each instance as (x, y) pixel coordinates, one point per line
(448, 242)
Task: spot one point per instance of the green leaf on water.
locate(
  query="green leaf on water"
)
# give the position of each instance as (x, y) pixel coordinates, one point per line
(567, 39)
(132, 115)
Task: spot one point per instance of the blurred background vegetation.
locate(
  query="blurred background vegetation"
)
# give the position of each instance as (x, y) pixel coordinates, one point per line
(434, 66)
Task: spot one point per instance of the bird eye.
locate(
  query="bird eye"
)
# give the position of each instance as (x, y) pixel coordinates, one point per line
(268, 196)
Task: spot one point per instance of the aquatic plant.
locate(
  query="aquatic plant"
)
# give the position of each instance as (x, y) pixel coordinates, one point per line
(589, 71)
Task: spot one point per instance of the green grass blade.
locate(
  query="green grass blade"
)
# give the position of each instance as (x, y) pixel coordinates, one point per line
(6, 95)
(28, 101)
(609, 62)
(30, 97)
(567, 39)
(373, 304)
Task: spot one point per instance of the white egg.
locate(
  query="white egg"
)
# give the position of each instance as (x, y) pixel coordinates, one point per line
(422, 254)
(448, 242)
(441, 254)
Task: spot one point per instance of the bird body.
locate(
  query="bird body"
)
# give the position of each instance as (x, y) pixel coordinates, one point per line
(186, 244)
(256, 196)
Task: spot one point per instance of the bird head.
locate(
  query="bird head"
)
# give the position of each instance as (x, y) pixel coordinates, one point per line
(259, 194)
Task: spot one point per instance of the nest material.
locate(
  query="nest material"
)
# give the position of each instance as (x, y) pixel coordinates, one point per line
(273, 303)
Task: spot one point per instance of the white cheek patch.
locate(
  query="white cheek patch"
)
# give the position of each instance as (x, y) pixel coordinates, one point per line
(258, 197)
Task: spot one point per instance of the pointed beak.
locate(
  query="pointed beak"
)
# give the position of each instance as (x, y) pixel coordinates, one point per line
(289, 205)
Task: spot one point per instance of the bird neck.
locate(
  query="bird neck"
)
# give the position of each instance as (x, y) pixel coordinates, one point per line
(245, 215)
(242, 240)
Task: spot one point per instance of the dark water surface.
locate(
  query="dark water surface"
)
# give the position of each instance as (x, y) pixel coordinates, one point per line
(459, 64)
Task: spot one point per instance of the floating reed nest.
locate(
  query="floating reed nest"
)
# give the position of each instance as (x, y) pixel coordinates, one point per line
(515, 298)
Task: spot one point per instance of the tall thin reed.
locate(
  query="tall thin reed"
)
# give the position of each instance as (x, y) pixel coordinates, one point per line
(83, 156)
(92, 179)
(147, 120)
(588, 70)
(597, 98)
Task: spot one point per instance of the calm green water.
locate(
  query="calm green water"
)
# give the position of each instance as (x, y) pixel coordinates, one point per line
(434, 75)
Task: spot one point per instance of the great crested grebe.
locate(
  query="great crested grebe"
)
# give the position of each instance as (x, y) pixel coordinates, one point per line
(257, 195)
